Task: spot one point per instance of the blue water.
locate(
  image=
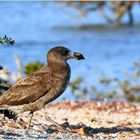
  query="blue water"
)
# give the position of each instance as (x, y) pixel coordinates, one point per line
(39, 26)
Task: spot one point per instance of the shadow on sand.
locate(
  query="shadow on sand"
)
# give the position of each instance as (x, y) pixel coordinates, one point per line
(106, 130)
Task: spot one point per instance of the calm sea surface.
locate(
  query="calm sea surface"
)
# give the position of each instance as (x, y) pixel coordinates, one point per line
(38, 26)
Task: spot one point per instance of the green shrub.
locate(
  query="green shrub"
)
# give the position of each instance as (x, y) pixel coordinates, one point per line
(32, 67)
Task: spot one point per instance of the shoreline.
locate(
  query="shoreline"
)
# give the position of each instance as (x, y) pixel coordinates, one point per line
(89, 120)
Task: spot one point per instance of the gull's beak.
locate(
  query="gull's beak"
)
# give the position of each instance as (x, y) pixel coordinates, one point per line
(76, 55)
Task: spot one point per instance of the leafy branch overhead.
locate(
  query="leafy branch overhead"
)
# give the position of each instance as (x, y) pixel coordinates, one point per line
(7, 40)
(1, 67)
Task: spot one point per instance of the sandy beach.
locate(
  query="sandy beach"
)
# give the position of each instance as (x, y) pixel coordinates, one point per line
(87, 120)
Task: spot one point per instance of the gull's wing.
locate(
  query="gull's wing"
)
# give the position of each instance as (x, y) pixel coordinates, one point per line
(27, 90)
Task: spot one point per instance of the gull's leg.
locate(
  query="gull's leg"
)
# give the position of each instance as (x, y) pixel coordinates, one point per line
(55, 123)
(30, 120)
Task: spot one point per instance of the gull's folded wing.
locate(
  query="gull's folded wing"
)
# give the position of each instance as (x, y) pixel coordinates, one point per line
(27, 90)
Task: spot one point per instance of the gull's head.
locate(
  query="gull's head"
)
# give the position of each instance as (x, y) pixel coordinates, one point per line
(62, 54)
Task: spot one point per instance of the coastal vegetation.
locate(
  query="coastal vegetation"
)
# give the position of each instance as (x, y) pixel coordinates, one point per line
(111, 11)
(108, 88)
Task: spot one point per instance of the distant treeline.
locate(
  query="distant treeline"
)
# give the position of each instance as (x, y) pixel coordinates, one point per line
(117, 8)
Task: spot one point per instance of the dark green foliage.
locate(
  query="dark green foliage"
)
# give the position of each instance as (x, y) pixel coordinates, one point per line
(76, 83)
(1, 67)
(134, 99)
(7, 40)
(32, 67)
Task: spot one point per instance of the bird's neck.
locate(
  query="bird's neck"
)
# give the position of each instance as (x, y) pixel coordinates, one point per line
(56, 67)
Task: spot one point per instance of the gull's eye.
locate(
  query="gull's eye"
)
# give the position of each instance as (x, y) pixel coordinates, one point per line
(65, 52)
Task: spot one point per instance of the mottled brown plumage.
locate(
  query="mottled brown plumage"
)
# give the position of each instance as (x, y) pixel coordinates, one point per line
(36, 90)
